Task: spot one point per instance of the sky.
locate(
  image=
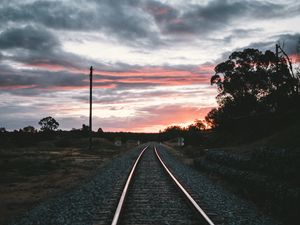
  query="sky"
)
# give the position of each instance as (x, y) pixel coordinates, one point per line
(152, 59)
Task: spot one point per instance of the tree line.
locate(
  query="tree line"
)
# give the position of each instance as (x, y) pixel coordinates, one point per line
(48, 124)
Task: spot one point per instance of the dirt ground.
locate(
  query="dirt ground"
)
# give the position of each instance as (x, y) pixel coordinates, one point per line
(31, 175)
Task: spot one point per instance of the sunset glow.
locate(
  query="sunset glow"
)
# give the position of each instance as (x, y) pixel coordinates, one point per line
(153, 59)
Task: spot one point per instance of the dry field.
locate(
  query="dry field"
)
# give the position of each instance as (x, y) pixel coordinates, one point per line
(33, 174)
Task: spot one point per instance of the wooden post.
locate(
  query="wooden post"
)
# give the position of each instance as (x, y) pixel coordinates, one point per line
(90, 122)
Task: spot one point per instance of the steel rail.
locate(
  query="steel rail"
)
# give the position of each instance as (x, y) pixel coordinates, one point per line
(189, 197)
(124, 193)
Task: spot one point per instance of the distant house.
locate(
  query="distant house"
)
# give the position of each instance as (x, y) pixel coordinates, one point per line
(180, 141)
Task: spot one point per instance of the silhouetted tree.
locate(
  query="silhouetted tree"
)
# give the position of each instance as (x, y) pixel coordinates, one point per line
(29, 129)
(174, 129)
(2, 130)
(85, 128)
(172, 132)
(200, 124)
(213, 118)
(48, 124)
(196, 127)
(251, 82)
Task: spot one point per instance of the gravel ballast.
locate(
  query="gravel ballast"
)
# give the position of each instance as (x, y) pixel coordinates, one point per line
(95, 199)
(154, 199)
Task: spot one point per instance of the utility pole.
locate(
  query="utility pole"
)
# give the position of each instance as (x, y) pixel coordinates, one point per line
(279, 50)
(90, 122)
(277, 66)
(277, 55)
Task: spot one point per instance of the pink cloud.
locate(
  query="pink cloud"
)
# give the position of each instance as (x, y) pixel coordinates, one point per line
(152, 75)
(295, 58)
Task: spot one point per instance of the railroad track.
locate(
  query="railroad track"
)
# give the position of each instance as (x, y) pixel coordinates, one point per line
(153, 195)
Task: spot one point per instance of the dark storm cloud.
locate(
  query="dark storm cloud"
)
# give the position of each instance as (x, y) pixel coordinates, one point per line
(50, 59)
(121, 19)
(238, 34)
(289, 42)
(129, 22)
(161, 12)
(37, 44)
(215, 15)
(28, 37)
(54, 14)
(246, 32)
(34, 45)
(38, 79)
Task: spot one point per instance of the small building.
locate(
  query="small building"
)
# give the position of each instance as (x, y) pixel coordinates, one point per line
(118, 142)
(180, 141)
(131, 143)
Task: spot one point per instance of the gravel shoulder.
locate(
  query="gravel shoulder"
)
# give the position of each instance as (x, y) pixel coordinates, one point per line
(230, 208)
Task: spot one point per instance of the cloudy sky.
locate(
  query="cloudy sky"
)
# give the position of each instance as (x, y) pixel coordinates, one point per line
(153, 58)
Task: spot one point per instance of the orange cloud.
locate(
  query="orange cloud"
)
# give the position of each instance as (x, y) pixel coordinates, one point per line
(157, 118)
